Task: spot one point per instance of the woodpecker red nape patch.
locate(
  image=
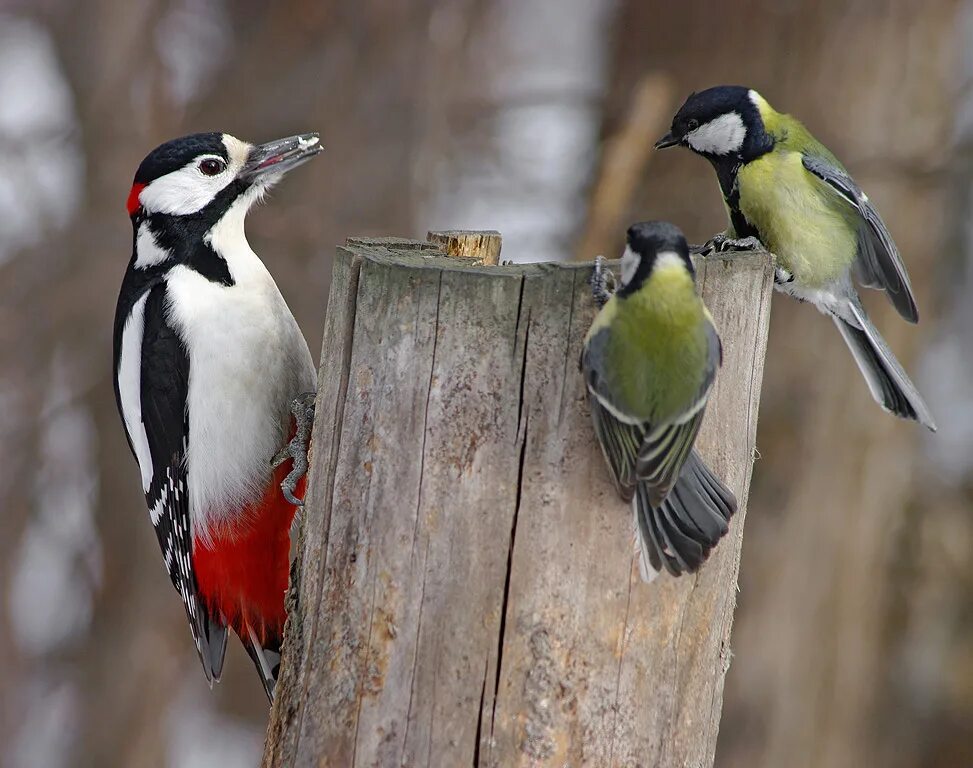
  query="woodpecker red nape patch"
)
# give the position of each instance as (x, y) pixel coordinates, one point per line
(133, 203)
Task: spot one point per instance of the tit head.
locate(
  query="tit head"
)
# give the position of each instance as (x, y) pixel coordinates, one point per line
(647, 245)
(204, 174)
(720, 123)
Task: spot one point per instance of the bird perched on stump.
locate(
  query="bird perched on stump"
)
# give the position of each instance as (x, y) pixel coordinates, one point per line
(214, 383)
(649, 361)
(786, 190)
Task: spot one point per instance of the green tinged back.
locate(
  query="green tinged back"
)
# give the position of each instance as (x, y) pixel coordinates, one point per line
(790, 134)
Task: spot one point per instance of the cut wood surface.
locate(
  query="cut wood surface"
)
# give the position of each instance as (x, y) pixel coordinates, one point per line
(483, 247)
(466, 590)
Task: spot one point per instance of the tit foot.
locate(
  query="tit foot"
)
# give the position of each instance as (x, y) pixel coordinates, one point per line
(722, 243)
(599, 282)
(297, 449)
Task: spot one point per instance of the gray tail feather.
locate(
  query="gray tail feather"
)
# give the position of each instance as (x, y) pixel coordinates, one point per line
(888, 383)
(680, 533)
(210, 635)
(266, 658)
(215, 650)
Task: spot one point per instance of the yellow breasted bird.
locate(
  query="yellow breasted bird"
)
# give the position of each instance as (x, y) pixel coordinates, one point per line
(786, 190)
(649, 362)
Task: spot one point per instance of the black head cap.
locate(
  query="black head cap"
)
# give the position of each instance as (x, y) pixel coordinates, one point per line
(177, 153)
(646, 240)
(709, 104)
(706, 106)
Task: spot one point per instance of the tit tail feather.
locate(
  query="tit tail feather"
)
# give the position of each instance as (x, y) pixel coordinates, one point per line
(889, 384)
(680, 533)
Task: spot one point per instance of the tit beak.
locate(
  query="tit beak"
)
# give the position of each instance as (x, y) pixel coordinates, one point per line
(278, 157)
(667, 141)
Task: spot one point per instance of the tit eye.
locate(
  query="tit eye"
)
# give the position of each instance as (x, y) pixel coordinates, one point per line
(211, 166)
(693, 124)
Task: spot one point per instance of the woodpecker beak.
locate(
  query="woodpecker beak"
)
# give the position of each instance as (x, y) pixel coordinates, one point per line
(278, 157)
(667, 141)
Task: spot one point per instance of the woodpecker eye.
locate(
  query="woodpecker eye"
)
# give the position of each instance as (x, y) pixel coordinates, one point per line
(693, 124)
(211, 166)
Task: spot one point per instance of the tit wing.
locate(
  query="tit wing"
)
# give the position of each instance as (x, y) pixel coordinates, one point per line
(641, 450)
(878, 264)
(163, 392)
(619, 438)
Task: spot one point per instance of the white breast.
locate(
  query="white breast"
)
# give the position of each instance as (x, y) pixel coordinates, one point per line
(247, 361)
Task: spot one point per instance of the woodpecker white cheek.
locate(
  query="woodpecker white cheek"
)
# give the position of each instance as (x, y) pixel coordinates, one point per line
(183, 191)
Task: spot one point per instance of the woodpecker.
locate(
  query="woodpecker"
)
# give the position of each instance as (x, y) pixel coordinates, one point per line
(214, 383)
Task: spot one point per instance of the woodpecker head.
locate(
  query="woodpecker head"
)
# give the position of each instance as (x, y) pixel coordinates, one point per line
(187, 186)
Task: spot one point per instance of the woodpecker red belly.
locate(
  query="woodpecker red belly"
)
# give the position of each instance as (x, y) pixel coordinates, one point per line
(208, 361)
(242, 572)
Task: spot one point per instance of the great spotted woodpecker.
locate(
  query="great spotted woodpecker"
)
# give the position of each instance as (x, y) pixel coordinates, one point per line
(210, 365)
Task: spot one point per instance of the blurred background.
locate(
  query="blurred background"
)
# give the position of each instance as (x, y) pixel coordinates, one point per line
(853, 642)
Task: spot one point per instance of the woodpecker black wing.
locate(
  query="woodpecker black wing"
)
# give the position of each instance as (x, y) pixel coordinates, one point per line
(161, 433)
(878, 264)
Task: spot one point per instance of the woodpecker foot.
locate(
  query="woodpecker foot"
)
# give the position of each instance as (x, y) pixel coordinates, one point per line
(599, 281)
(782, 276)
(721, 243)
(297, 448)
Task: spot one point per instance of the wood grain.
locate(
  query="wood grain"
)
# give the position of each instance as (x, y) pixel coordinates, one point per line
(467, 592)
(482, 246)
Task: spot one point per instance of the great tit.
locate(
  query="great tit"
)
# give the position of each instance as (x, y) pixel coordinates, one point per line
(649, 361)
(786, 190)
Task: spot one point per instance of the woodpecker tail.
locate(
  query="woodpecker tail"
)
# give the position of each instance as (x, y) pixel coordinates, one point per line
(888, 383)
(681, 532)
(213, 650)
(266, 658)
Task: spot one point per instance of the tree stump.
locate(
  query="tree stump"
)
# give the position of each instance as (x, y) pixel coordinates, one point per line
(466, 590)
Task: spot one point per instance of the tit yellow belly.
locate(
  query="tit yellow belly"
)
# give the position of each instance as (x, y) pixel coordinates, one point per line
(813, 233)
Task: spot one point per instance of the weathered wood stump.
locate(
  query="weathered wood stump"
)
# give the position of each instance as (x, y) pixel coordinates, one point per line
(467, 591)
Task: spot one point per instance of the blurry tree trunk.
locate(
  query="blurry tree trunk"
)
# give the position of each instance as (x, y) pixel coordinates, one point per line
(466, 589)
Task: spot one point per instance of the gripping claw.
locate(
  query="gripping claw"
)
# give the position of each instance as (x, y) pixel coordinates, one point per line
(599, 281)
(297, 449)
(721, 243)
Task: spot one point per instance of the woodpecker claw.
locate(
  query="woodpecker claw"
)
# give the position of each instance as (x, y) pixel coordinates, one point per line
(600, 277)
(298, 447)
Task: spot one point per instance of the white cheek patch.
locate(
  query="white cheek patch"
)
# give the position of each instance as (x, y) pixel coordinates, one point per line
(184, 191)
(148, 252)
(721, 136)
(630, 264)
